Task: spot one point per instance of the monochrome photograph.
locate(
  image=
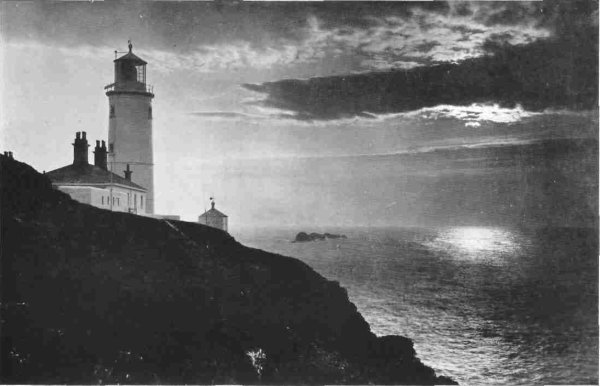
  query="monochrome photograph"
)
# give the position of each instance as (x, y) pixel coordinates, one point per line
(299, 192)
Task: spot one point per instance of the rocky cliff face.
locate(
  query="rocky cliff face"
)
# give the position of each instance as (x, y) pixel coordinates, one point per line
(94, 296)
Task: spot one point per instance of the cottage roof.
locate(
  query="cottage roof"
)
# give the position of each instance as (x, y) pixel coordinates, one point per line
(86, 174)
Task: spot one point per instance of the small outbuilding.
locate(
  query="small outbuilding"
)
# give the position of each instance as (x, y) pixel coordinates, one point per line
(213, 218)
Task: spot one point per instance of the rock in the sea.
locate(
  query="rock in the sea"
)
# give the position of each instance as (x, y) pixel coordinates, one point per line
(303, 237)
(91, 296)
(334, 236)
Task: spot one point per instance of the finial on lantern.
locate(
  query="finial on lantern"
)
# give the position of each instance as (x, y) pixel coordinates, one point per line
(130, 45)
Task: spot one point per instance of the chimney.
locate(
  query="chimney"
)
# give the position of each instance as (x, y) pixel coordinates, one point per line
(127, 173)
(212, 205)
(80, 149)
(100, 155)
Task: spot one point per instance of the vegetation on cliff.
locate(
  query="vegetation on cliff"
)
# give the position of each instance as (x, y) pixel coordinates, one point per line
(94, 296)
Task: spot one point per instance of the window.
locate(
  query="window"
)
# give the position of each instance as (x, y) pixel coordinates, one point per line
(150, 112)
(102, 200)
(141, 73)
(118, 203)
(111, 148)
(141, 201)
(135, 200)
(112, 111)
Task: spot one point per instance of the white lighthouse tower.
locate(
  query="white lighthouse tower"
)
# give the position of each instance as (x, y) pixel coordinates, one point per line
(130, 123)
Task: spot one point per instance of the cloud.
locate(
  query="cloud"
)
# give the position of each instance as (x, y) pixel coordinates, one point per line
(476, 113)
(401, 57)
(434, 37)
(369, 37)
(260, 114)
(556, 73)
(231, 56)
(380, 63)
(416, 38)
(451, 150)
(220, 114)
(472, 115)
(486, 143)
(244, 36)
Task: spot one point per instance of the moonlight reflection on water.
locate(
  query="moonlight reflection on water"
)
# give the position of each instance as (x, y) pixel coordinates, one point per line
(478, 243)
(484, 305)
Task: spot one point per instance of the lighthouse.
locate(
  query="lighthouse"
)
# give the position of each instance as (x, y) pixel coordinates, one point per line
(130, 122)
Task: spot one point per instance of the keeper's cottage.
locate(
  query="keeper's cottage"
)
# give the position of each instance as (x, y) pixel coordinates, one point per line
(94, 184)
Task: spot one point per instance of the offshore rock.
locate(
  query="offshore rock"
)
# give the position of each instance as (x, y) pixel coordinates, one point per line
(304, 237)
(93, 296)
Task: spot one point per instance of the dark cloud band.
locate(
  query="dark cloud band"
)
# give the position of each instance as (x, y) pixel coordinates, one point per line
(557, 72)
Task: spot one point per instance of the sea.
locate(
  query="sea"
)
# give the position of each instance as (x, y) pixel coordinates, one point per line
(483, 305)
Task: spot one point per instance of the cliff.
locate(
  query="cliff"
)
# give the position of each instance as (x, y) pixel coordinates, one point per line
(94, 296)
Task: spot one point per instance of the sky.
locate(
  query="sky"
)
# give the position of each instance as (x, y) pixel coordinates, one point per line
(317, 114)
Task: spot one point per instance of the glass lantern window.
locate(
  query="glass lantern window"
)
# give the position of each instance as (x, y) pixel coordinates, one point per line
(141, 73)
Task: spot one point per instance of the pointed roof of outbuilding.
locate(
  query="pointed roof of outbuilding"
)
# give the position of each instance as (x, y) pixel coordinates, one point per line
(213, 212)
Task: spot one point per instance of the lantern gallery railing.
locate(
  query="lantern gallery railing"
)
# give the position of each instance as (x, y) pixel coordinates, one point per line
(130, 86)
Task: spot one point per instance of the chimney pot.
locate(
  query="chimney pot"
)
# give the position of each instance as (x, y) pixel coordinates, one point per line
(80, 150)
(127, 173)
(100, 156)
(83, 135)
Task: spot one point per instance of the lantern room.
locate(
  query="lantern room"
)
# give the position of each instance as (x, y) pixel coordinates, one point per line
(130, 74)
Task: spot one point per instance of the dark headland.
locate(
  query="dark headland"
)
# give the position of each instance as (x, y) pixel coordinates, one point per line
(92, 296)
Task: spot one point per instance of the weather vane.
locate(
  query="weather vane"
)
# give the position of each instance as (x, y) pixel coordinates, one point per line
(124, 52)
